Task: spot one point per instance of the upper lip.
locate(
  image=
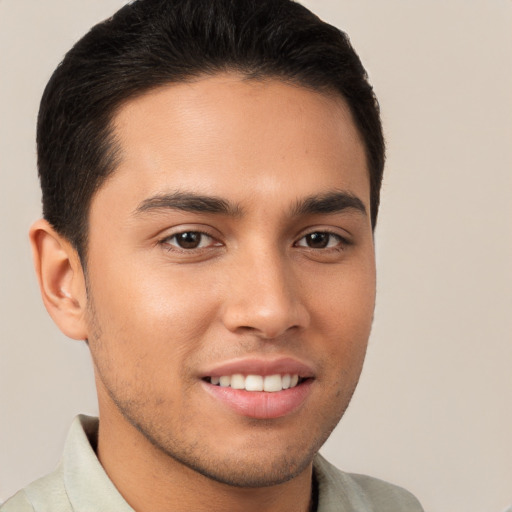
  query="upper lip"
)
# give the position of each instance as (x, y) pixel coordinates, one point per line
(261, 366)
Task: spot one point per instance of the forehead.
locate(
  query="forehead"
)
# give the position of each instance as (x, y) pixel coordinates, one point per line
(227, 135)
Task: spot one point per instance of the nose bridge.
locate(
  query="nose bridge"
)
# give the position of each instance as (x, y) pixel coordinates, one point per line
(263, 296)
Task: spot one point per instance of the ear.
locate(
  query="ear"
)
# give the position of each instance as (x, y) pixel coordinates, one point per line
(61, 279)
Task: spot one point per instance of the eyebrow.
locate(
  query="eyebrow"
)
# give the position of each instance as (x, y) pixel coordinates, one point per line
(329, 203)
(188, 202)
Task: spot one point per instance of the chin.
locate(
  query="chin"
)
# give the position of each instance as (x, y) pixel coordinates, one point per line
(250, 472)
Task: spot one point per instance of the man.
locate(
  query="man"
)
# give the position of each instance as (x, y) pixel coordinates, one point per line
(210, 173)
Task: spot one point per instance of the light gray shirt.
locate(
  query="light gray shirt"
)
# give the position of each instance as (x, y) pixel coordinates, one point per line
(80, 484)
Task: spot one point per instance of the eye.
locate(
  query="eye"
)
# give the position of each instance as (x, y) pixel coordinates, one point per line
(320, 240)
(189, 240)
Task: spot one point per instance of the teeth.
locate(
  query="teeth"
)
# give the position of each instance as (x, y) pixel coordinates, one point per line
(225, 381)
(269, 383)
(254, 383)
(237, 381)
(272, 383)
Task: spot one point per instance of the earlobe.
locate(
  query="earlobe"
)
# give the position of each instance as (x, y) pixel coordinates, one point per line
(61, 279)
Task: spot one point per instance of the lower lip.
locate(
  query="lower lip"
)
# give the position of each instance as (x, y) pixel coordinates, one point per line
(261, 404)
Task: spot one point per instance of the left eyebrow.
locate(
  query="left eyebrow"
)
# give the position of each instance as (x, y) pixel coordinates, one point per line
(188, 202)
(329, 203)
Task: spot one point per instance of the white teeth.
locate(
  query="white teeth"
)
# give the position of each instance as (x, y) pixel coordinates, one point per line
(225, 381)
(238, 381)
(272, 383)
(269, 383)
(254, 383)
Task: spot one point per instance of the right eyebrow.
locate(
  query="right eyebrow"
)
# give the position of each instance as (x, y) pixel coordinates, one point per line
(330, 203)
(188, 202)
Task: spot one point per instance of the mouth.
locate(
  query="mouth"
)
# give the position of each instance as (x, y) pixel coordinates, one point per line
(266, 383)
(259, 388)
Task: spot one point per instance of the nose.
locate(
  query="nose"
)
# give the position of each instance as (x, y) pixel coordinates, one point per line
(263, 296)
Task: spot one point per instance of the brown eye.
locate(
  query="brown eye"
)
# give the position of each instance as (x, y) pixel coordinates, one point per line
(190, 240)
(320, 240)
(317, 240)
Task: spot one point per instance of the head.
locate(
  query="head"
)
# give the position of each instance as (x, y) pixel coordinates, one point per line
(150, 43)
(211, 174)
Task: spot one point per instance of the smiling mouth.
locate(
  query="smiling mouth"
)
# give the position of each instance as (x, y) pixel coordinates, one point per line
(267, 383)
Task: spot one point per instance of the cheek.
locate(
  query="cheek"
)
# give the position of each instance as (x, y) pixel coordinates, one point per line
(149, 321)
(346, 300)
(343, 317)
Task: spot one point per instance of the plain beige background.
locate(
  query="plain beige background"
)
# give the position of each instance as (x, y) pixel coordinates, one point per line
(434, 408)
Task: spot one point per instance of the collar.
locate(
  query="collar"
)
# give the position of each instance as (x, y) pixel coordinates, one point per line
(96, 491)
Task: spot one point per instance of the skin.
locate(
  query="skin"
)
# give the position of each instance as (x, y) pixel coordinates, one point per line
(157, 315)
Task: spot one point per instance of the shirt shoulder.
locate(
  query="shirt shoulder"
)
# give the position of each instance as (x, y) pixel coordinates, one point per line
(347, 492)
(17, 503)
(44, 495)
(78, 484)
(385, 496)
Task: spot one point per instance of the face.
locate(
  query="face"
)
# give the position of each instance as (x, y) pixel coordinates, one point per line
(231, 275)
